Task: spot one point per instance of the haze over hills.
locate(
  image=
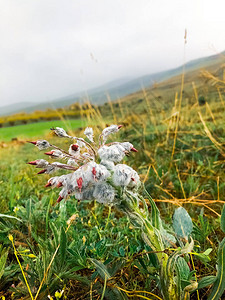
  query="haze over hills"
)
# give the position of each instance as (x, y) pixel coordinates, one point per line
(115, 89)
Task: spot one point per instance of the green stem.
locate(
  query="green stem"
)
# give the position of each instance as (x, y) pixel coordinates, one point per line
(151, 231)
(109, 213)
(104, 288)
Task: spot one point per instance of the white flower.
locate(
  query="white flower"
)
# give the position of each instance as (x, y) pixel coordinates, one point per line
(135, 179)
(104, 193)
(60, 132)
(39, 163)
(108, 164)
(55, 153)
(78, 195)
(53, 181)
(124, 175)
(63, 194)
(87, 193)
(51, 168)
(89, 134)
(74, 150)
(93, 172)
(72, 162)
(80, 143)
(109, 130)
(87, 156)
(113, 153)
(41, 144)
(128, 147)
(88, 181)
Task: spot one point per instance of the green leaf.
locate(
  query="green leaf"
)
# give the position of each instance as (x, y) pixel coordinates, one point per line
(206, 281)
(219, 285)
(10, 217)
(76, 268)
(202, 256)
(55, 232)
(222, 223)
(3, 259)
(172, 261)
(183, 267)
(207, 251)
(155, 214)
(63, 245)
(101, 269)
(122, 251)
(182, 223)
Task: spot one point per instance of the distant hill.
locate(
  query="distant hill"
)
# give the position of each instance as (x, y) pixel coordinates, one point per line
(117, 88)
(14, 107)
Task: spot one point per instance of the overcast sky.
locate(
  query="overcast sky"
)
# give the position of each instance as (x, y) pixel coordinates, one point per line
(54, 48)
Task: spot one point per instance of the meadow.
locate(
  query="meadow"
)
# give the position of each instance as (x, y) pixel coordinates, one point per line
(85, 250)
(35, 130)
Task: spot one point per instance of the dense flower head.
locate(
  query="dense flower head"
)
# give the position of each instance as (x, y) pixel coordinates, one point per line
(125, 176)
(114, 153)
(94, 170)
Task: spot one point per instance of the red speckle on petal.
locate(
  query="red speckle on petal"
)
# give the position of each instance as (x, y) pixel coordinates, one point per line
(32, 163)
(132, 178)
(59, 184)
(74, 147)
(42, 171)
(79, 183)
(34, 143)
(94, 172)
(133, 149)
(48, 184)
(49, 153)
(59, 199)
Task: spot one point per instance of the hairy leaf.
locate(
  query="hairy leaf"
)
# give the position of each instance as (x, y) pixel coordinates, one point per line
(222, 224)
(182, 222)
(219, 285)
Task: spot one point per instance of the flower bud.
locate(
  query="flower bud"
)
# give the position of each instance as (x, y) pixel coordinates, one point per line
(59, 199)
(32, 163)
(89, 134)
(39, 163)
(109, 130)
(74, 147)
(128, 147)
(41, 144)
(60, 132)
(74, 150)
(72, 162)
(42, 171)
(55, 153)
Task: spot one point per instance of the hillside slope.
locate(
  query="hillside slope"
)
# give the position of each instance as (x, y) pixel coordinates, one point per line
(118, 88)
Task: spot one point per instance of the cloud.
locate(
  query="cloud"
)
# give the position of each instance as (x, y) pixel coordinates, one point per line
(53, 48)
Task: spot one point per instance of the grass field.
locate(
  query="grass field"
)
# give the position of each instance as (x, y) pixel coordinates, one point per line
(37, 130)
(102, 255)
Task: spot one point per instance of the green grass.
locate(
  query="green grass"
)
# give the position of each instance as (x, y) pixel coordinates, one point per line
(191, 176)
(37, 130)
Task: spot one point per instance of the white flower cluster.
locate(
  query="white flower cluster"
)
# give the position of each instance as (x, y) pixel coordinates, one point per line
(89, 180)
